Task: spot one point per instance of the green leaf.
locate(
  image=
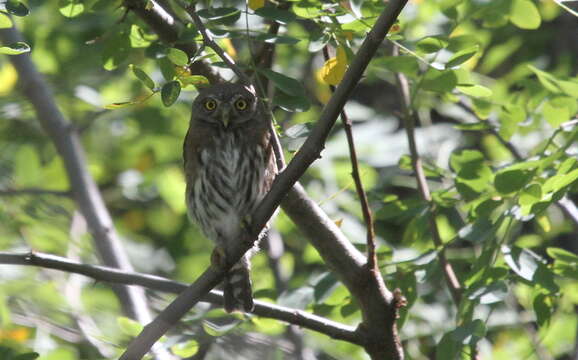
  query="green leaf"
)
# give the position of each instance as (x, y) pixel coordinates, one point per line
(324, 287)
(530, 195)
(284, 83)
(216, 330)
(462, 56)
(272, 13)
(405, 64)
(185, 349)
(440, 81)
(559, 109)
(142, 76)
(116, 49)
(489, 294)
(477, 232)
(470, 333)
(71, 8)
(129, 326)
(225, 15)
(448, 347)
(525, 15)
(559, 254)
(170, 92)
(276, 39)
(15, 49)
(477, 126)
(559, 181)
(543, 308)
(5, 22)
(510, 116)
(297, 298)
(475, 90)
(178, 57)
(432, 44)
(27, 356)
(521, 261)
(307, 9)
(291, 103)
(509, 181)
(16, 8)
(171, 187)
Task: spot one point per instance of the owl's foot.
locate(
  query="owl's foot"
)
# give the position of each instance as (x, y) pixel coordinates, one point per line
(218, 258)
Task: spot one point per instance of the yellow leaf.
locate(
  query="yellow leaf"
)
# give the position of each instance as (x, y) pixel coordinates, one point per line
(544, 223)
(338, 222)
(256, 4)
(229, 48)
(333, 70)
(8, 78)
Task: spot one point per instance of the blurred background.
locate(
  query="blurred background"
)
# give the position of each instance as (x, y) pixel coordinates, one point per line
(486, 77)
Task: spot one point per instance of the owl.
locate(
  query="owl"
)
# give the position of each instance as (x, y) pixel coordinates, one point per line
(229, 167)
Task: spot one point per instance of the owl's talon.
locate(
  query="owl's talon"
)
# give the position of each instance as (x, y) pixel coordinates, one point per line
(218, 258)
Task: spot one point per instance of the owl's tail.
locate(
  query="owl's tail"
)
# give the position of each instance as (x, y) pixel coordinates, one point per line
(238, 290)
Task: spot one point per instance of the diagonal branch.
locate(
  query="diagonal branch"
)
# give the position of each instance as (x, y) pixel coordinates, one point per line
(409, 120)
(101, 273)
(370, 291)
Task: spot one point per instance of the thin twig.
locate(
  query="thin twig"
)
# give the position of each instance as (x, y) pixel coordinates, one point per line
(101, 273)
(409, 120)
(366, 211)
(208, 41)
(34, 191)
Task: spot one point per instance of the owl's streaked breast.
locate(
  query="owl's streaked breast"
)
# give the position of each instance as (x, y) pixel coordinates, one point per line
(228, 186)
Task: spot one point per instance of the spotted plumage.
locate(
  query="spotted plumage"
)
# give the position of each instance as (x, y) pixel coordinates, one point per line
(229, 167)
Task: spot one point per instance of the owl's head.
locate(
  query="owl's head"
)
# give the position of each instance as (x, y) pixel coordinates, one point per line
(225, 105)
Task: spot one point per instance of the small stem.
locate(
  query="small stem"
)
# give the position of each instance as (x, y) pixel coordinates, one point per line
(208, 41)
(365, 209)
(410, 118)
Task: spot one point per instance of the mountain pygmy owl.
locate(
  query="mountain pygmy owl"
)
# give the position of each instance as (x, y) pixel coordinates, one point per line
(229, 167)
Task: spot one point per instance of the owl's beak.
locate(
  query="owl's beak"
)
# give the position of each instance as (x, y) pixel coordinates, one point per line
(225, 119)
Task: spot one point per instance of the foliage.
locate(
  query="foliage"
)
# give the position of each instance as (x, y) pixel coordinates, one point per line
(493, 82)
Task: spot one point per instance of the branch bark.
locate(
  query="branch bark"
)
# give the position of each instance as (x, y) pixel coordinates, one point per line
(101, 273)
(375, 300)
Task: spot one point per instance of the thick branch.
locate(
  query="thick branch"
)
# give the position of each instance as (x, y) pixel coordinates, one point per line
(110, 275)
(409, 120)
(372, 288)
(82, 184)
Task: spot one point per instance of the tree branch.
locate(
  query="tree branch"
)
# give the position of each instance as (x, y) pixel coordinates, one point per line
(366, 211)
(409, 120)
(370, 291)
(110, 275)
(34, 191)
(84, 189)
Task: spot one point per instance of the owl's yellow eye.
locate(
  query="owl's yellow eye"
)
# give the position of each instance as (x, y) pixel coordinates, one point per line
(210, 104)
(241, 104)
